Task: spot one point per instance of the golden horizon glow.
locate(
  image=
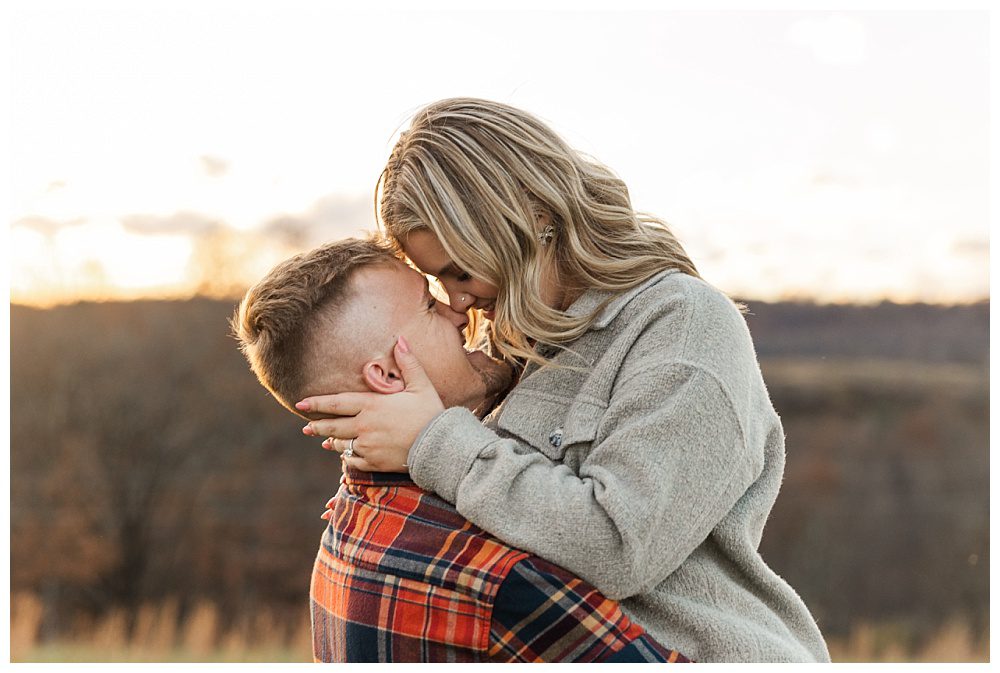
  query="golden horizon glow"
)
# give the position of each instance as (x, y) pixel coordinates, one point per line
(74, 267)
(820, 155)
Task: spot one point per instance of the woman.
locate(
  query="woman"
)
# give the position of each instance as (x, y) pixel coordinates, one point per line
(639, 449)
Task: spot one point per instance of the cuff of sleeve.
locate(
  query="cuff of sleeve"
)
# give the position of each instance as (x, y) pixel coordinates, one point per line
(444, 452)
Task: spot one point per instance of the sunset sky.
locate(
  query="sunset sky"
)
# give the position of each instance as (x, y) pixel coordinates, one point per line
(839, 156)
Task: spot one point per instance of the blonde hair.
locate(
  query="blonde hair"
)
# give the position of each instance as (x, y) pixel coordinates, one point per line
(279, 317)
(480, 175)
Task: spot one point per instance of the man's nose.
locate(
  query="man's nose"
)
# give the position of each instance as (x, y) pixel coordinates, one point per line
(457, 318)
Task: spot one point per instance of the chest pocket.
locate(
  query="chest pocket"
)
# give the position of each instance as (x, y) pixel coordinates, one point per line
(549, 424)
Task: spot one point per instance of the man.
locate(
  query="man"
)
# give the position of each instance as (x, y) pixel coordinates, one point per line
(400, 575)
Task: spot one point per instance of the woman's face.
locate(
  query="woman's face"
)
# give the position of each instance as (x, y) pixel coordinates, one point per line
(464, 292)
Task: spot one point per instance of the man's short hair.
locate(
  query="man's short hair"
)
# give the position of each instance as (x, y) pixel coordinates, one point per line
(279, 315)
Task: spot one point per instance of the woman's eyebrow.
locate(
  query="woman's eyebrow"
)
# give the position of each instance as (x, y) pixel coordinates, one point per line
(450, 268)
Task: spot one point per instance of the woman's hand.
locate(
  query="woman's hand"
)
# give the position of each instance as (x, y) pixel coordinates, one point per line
(376, 431)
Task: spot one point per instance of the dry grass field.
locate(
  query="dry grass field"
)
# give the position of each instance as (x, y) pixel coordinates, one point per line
(159, 636)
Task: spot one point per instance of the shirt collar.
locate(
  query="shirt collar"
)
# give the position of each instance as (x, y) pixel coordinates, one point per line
(352, 475)
(590, 300)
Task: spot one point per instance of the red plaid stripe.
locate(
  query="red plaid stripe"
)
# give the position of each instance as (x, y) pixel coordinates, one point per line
(402, 576)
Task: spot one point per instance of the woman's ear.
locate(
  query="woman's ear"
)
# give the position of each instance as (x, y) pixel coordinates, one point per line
(545, 231)
(383, 376)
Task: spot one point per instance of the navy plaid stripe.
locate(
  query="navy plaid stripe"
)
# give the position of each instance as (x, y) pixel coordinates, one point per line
(402, 576)
(544, 612)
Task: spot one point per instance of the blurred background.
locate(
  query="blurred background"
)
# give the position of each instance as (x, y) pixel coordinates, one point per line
(829, 169)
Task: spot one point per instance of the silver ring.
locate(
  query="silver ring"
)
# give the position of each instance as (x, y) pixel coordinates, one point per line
(349, 451)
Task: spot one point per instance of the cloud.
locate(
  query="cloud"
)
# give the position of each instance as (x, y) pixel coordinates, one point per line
(834, 39)
(970, 246)
(826, 178)
(331, 217)
(214, 167)
(47, 226)
(294, 231)
(337, 212)
(184, 222)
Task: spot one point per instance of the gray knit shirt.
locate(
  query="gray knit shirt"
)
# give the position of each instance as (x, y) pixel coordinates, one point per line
(647, 466)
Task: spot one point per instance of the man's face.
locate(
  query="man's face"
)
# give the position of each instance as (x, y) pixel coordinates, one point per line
(393, 300)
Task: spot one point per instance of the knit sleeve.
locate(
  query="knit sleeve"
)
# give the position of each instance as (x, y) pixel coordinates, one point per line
(672, 462)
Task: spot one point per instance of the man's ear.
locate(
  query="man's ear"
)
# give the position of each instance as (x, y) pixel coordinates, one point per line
(383, 376)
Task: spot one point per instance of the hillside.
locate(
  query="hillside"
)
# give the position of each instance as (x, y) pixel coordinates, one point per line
(147, 463)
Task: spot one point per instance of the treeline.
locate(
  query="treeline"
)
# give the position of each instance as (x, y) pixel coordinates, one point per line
(147, 464)
(915, 332)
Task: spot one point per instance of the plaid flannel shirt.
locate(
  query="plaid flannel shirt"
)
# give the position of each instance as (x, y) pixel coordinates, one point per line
(402, 576)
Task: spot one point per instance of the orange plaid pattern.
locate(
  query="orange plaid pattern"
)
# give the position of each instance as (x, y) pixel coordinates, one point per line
(402, 576)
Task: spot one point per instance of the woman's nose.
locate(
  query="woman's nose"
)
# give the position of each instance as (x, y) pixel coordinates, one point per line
(460, 301)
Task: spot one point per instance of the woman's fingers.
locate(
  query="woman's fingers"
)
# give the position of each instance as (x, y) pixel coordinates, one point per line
(414, 376)
(384, 426)
(359, 463)
(367, 459)
(343, 446)
(346, 426)
(341, 404)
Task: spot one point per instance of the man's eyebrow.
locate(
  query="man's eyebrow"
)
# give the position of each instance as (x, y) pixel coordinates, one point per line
(427, 289)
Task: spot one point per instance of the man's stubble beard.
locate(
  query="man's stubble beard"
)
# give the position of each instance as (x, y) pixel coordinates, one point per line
(497, 379)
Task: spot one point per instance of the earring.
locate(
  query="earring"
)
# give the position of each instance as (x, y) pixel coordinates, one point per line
(546, 235)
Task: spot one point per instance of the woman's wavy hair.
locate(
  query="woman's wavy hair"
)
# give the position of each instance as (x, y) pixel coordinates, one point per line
(480, 175)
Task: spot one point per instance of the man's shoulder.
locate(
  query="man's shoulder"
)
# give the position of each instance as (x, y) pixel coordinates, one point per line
(406, 532)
